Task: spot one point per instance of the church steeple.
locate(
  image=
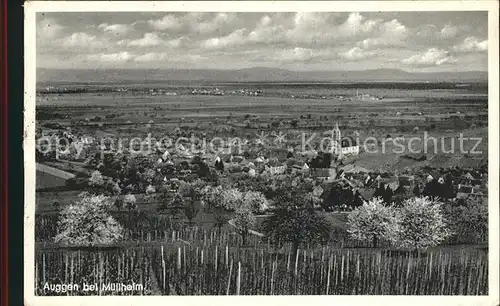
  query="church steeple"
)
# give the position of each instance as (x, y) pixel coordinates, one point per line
(337, 138)
(336, 132)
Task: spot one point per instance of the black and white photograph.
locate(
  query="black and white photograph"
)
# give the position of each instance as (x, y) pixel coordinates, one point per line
(262, 152)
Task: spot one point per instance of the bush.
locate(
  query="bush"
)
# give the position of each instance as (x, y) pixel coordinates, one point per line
(374, 222)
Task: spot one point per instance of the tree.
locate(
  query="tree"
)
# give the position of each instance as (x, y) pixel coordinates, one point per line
(422, 224)
(211, 197)
(373, 222)
(446, 189)
(129, 202)
(244, 221)
(469, 219)
(231, 199)
(56, 205)
(150, 190)
(189, 197)
(388, 195)
(256, 201)
(115, 189)
(176, 204)
(416, 190)
(295, 220)
(191, 209)
(432, 189)
(96, 181)
(219, 165)
(87, 223)
(379, 192)
(339, 197)
(298, 227)
(150, 193)
(118, 203)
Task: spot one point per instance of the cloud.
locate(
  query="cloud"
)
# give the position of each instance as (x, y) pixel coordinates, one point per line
(448, 31)
(122, 56)
(431, 57)
(356, 24)
(151, 57)
(301, 40)
(148, 40)
(324, 29)
(472, 44)
(115, 29)
(197, 24)
(237, 37)
(318, 29)
(269, 29)
(296, 54)
(168, 22)
(425, 31)
(82, 40)
(390, 33)
(220, 21)
(356, 53)
(48, 28)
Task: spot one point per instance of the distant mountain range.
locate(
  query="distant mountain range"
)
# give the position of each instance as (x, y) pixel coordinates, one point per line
(110, 76)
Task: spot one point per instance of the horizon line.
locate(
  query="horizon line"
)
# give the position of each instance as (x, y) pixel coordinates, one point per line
(270, 68)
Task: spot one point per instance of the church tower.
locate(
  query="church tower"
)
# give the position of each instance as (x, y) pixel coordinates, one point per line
(337, 138)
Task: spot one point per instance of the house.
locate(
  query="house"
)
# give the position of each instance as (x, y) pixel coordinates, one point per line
(298, 167)
(468, 177)
(309, 154)
(464, 191)
(275, 170)
(259, 160)
(237, 159)
(349, 146)
(354, 169)
(323, 173)
(406, 180)
(166, 155)
(391, 182)
(278, 153)
(366, 193)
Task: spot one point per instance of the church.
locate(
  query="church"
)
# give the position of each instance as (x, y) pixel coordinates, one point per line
(343, 146)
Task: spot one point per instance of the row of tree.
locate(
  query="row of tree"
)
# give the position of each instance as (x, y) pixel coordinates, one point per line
(418, 223)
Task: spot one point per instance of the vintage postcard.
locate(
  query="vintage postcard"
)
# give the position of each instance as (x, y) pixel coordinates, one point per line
(261, 152)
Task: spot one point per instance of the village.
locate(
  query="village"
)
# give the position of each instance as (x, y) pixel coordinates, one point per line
(333, 171)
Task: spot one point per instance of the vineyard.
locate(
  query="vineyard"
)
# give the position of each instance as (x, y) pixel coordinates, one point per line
(222, 270)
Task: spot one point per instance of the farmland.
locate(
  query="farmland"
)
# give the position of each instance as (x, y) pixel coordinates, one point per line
(190, 226)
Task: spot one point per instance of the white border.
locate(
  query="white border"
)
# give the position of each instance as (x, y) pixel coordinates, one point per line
(259, 6)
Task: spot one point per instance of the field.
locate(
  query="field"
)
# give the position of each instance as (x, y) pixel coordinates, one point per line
(169, 257)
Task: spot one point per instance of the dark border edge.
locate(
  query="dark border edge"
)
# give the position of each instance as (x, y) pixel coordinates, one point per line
(4, 298)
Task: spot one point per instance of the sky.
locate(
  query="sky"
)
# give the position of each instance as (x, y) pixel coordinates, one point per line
(411, 41)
